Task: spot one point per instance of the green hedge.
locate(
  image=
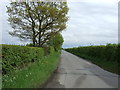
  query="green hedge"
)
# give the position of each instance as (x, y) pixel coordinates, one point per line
(108, 52)
(34, 75)
(104, 56)
(14, 57)
(27, 67)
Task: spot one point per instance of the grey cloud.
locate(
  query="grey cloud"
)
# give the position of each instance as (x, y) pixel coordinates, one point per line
(90, 23)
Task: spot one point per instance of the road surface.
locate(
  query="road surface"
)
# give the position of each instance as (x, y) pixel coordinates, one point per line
(75, 72)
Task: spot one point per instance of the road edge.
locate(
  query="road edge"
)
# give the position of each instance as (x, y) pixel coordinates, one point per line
(52, 75)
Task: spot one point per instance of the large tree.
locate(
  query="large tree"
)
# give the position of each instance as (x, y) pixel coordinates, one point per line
(37, 21)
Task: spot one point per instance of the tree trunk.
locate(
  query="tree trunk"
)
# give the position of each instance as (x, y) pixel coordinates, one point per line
(39, 39)
(33, 25)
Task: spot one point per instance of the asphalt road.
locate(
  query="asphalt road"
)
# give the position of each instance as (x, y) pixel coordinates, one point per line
(75, 72)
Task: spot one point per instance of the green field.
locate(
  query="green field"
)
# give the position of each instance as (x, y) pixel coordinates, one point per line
(105, 56)
(27, 67)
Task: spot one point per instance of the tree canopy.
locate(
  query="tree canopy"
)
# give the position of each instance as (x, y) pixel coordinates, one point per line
(37, 21)
(56, 41)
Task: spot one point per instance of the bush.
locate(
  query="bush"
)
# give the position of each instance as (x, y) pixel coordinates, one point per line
(14, 57)
(104, 56)
(108, 52)
(30, 45)
(34, 75)
(27, 67)
(56, 42)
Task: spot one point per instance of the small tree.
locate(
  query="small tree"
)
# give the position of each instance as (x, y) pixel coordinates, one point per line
(37, 21)
(56, 41)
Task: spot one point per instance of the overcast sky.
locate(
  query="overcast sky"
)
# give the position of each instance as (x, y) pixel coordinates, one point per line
(91, 22)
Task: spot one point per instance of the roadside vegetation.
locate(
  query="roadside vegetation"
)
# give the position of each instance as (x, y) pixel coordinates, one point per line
(27, 67)
(41, 23)
(105, 56)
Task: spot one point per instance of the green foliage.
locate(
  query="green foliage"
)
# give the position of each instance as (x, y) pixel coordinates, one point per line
(52, 49)
(27, 67)
(34, 75)
(14, 57)
(104, 56)
(56, 42)
(30, 45)
(37, 21)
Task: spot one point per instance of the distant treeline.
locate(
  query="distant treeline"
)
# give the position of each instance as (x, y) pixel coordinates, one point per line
(105, 56)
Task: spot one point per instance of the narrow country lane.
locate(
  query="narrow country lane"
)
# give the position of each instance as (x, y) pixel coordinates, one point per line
(75, 72)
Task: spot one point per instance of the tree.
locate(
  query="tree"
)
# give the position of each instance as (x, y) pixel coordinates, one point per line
(37, 21)
(56, 41)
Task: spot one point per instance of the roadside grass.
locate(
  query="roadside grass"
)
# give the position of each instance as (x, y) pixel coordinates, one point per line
(34, 75)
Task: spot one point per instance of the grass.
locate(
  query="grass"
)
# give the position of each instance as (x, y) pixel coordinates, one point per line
(34, 75)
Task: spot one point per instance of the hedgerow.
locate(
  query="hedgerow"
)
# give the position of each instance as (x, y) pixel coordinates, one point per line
(27, 67)
(100, 55)
(34, 75)
(14, 57)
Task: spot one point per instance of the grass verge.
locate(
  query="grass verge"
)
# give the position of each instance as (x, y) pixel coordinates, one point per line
(34, 75)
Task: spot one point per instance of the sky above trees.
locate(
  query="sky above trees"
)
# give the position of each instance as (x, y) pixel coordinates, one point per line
(91, 22)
